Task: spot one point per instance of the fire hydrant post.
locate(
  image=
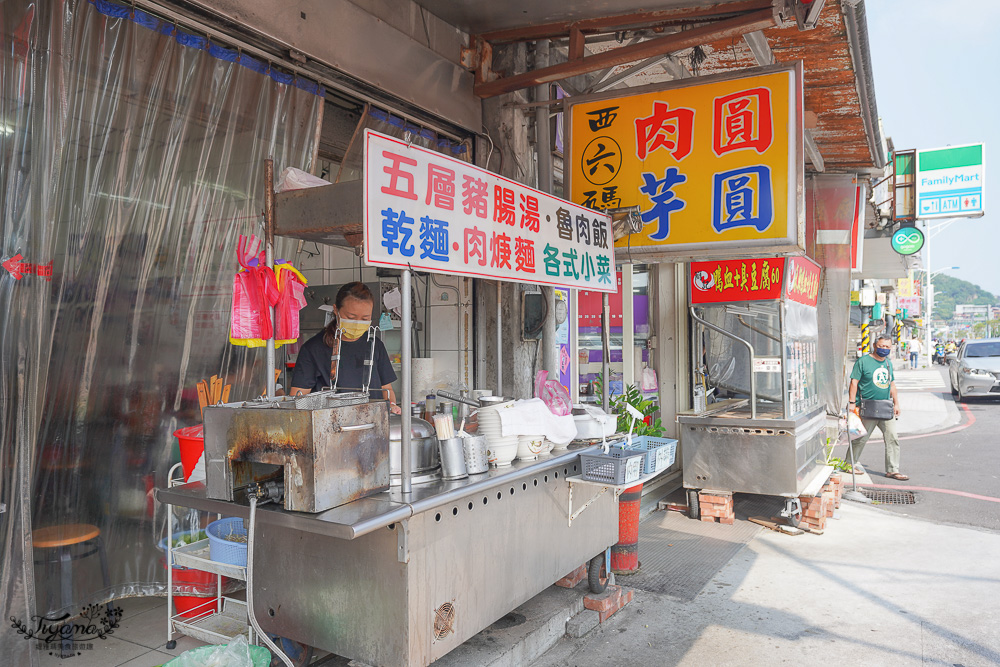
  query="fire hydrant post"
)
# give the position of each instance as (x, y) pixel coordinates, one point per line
(625, 554)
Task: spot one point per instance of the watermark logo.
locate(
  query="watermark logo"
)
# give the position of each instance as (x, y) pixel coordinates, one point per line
(96, 621)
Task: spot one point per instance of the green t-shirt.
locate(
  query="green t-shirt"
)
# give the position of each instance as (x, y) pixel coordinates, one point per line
(874, 378)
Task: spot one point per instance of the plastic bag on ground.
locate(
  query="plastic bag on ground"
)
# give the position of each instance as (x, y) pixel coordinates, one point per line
(855, 427)
(237, 653)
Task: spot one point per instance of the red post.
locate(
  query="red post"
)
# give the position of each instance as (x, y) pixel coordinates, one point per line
(625, 554)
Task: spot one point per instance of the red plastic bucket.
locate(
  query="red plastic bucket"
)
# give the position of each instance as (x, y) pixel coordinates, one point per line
(192, 446)
(205, 583)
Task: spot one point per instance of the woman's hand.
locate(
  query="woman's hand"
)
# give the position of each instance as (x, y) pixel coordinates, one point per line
(395, 409)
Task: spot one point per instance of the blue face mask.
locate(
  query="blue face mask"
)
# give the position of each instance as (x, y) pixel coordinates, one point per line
(881, 352)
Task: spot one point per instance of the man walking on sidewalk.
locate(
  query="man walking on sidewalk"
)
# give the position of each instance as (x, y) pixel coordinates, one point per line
(874, 379)
(915, 349)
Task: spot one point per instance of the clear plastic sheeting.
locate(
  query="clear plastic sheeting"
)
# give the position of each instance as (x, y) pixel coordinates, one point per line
(131, 159)
(831, 201)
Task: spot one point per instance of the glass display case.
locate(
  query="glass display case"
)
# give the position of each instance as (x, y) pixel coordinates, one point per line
(757, 424)
(783, 339)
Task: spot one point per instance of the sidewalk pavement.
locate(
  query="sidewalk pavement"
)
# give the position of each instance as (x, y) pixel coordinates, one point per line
(875, 589)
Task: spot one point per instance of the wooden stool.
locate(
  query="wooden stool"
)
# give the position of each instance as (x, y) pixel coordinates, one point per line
(65, 541)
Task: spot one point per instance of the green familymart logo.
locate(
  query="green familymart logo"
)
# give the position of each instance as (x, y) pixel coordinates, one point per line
(908, 240)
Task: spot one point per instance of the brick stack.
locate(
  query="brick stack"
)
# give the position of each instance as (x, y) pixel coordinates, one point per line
(716, 506)
(607, 603)
(573, 578)
(832, 491)
(815, 509)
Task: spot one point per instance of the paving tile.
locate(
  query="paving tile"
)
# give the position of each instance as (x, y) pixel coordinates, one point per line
(110, 651)
(151, 659)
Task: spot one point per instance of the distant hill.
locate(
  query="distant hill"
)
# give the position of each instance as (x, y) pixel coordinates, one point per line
(950, 291)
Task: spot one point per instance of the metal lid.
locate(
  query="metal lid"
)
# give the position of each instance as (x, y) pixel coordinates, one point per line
(418, 428)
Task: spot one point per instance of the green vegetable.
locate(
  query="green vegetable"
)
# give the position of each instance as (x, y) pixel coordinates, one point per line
(633, 397)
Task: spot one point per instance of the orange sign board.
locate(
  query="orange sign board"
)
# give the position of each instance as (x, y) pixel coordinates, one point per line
(713, 163)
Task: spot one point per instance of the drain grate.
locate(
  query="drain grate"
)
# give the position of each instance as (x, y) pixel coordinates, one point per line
(890, 497)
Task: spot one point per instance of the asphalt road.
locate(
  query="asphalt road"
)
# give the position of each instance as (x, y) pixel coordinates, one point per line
(967, 460)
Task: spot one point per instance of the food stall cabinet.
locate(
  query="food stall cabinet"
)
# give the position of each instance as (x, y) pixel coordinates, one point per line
(758, 425)
(340, 558)
(396, 580)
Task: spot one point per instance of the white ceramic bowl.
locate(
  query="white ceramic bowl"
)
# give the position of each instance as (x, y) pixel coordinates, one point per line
(501, 455)
(529, 447)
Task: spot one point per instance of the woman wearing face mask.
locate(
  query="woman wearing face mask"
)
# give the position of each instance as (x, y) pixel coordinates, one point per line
(318, 358)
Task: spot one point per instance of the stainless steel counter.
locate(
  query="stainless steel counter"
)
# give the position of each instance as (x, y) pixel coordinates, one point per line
(378, 511)
(399, 581)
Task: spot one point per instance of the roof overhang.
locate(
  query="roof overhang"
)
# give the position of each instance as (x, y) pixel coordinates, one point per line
(709, 37)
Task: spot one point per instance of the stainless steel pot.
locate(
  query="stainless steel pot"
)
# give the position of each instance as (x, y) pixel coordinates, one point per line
(423, 445)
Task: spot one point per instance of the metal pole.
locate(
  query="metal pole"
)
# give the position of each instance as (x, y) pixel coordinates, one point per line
(405, 383)
(499, 341)
(269, 260)
(930, 287)
(543, 147)
(606, 351)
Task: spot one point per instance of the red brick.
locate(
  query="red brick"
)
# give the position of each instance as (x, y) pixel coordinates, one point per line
(573, 578)
(625, 598)
(609, 600)
(705, 517)
(728, 520)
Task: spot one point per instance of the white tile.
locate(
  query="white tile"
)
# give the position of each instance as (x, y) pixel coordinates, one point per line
(151, 659)
(110, 651)
(134, 606)
(148, 628)
(444, 328)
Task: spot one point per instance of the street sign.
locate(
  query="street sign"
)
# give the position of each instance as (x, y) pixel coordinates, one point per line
(951, 182)
(907, 241)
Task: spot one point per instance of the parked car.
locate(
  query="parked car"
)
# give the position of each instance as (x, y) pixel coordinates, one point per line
(975, 369)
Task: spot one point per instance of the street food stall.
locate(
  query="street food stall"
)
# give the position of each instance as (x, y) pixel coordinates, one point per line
(400, 574)
(758, 424)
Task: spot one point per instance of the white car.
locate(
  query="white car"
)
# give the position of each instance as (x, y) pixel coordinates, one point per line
(975, 369)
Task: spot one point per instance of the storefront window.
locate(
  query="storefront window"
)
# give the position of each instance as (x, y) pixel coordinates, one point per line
(589, 338)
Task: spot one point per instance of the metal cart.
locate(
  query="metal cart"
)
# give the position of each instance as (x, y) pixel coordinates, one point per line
(218, 620)
(758, 425)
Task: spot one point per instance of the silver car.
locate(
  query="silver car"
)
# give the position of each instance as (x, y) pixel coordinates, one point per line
(975, 369)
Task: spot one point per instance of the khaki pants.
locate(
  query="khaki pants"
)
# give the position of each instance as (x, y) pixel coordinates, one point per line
(888, 428)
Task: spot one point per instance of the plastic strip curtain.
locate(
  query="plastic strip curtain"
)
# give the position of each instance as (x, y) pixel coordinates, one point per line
(830, 209)
(131, 158)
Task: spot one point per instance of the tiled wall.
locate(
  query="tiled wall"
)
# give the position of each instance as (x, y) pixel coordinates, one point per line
(449, 315)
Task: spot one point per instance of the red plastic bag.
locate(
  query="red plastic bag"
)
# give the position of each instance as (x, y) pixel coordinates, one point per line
(553, 394)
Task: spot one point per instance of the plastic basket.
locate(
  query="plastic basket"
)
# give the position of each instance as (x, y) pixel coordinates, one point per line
(618, 466)
(660, 452)
(225, 551)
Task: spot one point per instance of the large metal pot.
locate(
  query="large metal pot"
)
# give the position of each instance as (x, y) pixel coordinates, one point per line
(423, 446)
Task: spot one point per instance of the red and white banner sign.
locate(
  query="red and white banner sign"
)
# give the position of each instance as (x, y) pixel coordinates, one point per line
(430, 212)
(802, 280)
(726, 280)
(766, 279)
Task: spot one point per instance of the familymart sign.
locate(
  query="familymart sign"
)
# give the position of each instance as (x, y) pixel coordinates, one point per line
(951, 182)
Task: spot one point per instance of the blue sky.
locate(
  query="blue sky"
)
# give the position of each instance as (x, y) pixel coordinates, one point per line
(937, 83)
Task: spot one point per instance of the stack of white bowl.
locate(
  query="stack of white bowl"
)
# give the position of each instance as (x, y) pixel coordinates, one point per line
(500, 449)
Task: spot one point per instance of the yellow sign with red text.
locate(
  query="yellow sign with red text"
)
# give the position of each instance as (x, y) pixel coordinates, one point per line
(712, 166)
